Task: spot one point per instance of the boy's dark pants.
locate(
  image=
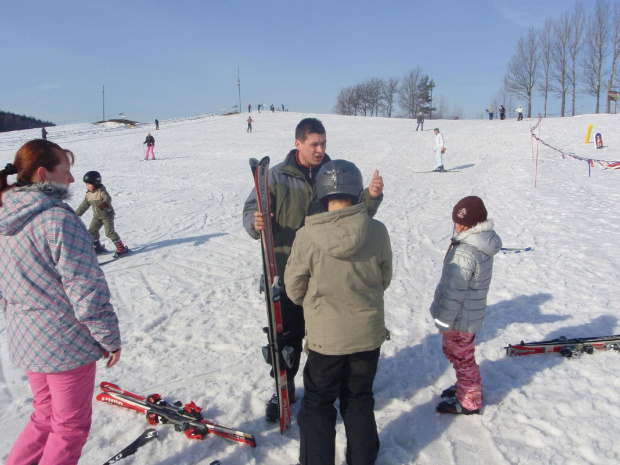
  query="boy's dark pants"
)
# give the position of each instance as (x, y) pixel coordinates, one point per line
(327, 378)
(108, 224)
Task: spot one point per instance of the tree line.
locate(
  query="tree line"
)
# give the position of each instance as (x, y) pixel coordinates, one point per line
(12, 122)
(411, 94)
(575, 54)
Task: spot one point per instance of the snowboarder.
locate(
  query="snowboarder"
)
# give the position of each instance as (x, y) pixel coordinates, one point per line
(250, 121)
(420, 121)
(439, 151)
(459, 306)
(291, 185)
(502, 112)
(98, 198)
(339, 267)
(57, 300)
(150, 146)
(156, 124)
(519, 113)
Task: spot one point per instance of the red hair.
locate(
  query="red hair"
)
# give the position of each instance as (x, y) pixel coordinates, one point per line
(30, 157)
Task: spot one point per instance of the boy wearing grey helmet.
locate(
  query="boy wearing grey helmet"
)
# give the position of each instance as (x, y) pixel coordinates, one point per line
(98, 198)
(339, 267)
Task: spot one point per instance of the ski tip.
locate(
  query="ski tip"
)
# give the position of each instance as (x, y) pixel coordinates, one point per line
(253, 162)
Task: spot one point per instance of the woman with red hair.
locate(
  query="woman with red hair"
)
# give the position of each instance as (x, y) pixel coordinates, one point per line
(56, 301)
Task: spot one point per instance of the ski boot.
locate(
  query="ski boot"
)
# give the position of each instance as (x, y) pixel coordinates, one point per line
(99, 248)
(453, 406)
(121, 249)
(271, 410)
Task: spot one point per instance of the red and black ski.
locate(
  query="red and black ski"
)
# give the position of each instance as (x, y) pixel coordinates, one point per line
(273, 289)
(186, 418)
(566, 347)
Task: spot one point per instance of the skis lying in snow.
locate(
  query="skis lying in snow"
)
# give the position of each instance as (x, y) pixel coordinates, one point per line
(186, 418)
(516, 249)
(566, 347)
(131, 449)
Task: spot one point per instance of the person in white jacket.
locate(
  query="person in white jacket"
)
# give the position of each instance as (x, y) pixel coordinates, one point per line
(439, 150)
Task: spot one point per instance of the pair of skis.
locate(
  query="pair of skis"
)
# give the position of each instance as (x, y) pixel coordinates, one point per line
(185, 418)
(574, 347)
(276, 353)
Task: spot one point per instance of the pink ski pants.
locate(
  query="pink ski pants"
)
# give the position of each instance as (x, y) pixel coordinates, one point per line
(458, 348)
(150, 150)
(59, 426)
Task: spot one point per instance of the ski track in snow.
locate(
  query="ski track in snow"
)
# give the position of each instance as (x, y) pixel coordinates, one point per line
(191, 315)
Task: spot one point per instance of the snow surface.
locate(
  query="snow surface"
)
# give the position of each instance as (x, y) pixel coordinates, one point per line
(191, 315)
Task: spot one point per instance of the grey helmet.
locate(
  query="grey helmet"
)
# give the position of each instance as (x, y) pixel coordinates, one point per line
(92, 177)
(339, 177)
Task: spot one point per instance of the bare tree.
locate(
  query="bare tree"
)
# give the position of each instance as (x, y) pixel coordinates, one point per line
(545, 42)
(389, 89)
(347, 102)
(408, 92)
(615, 51)
(597, 49)
(562, 32)
(372, 95)
(523, 69)
(578, 21)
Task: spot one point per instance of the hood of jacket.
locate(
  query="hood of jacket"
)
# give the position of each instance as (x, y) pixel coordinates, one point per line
(340, 233)
(21, 204)
(482, 237)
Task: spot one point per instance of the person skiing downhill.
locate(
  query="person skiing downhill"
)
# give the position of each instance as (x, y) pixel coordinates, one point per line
(291, 188)
(519, 111)
(56, 301)
(339, 267)
(150, 146)
(250, 121)
(98, 198)
(459, 305)
(439, 150)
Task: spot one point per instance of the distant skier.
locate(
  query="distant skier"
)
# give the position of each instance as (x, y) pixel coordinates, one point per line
(156, 124)
(519, 113)
(150, 146)
(273, 108)
(98, 198)
(339, 267)
(460, 302)
(439, 150)
(491, 111)
(420, 121)
(250, 121)
(249, 108)
(502, 112)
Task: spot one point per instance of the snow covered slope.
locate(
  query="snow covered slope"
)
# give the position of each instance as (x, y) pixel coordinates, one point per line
(191, 315)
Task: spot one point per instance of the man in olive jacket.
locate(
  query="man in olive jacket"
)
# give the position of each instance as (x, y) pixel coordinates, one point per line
(292, 198)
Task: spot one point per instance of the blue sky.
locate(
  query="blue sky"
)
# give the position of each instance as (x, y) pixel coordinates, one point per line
(167, 59)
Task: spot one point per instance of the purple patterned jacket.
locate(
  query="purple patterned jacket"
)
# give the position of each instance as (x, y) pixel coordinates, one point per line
(54, 296)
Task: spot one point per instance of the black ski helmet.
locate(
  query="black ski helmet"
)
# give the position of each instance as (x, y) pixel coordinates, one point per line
(339, 177)
(92, 177)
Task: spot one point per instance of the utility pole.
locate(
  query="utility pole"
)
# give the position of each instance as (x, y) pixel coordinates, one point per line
(430, 111)
(103, 92)
(239, 85)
